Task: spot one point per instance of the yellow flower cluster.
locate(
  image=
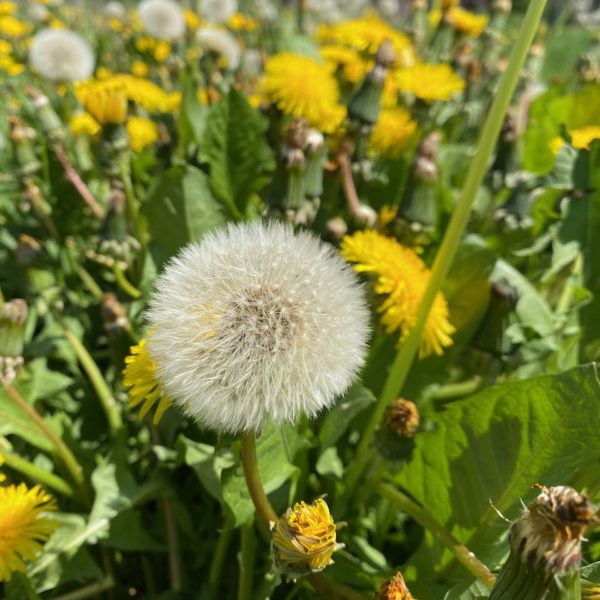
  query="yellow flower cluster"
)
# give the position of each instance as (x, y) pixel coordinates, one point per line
(301, 87)
(7, 8)
(402, 277)
(466, 22)
(160, 49)
(141, 133)
(241, 22)
(393, 130)
(304, 539)
(7, 62)
(13, 28)
(105, 101)
(429, 82)
(84, 124)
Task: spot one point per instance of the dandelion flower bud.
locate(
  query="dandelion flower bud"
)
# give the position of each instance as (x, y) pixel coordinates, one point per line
(61, 55)
(256, 322)
(162, 19)
(394, 589)
(304, 539)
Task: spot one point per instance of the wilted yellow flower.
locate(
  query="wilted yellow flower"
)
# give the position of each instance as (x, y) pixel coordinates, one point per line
(240, 22)
(23, 528)
(13, 28)
(395, 589)
(7, 8)
(366, 34)
(580, 138)
(301, 87)
(105, 100)
(466, 22)
(139, 376)
(84, 124)
(142, 133)
(402, 277)
(162, 51)
(304, 539)
(139, 68)
(393, 130)
(429, 82)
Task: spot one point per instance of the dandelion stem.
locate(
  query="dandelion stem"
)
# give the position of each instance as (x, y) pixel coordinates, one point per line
(248, 546)
(67, 457)
(421, 516)
(445, 255)
(31, 471)
(173, 546)
(124, 283)
(93, 372)
(216, 568)
(87, 591)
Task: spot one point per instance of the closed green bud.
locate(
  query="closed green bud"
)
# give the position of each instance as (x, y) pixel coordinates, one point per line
(13, 315)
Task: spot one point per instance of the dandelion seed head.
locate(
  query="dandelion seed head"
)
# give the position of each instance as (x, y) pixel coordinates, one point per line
(221, 43)
(257, 322)
(162, 19)
(61, 55)
(218, 11)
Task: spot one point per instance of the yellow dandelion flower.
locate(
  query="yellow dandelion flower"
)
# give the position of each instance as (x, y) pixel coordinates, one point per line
(105, 101)
(447, 4)
(393, 130)
(103, 73)
(57, 24)
(147, 94)
(348, 60)
(162, 51)
(466, 22)
(10, 67)
(23, 527)
(240, 22)
(429, 82)
(304, 538)
(580, 138)
(386, 215)
(13, 28)
(2, 475)
(366, 34)
(84, 124)
(5, 48)
(139, 376)
(142, 133)
(7, 8)
(192, 20)
(140, 68)
(301, 87)
(402, 277)
(116, 25)
(144, 44)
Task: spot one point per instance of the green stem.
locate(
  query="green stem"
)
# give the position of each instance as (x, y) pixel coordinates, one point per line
(445, 255)
(220, 553)
(421, 516)
(88, 591)
(173, 546)
(88, 281)
(456, 390)
(248, 547)
(66, 456)
(36, 474)
(93, 372)
(124, 283)
(27, 587)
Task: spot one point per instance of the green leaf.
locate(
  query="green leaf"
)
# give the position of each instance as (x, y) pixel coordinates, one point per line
(338, 419)
(181, 209)
(192, 119)
(236, 150)
(485, 452)
(468, 591)
(563, 51)
(329, 463)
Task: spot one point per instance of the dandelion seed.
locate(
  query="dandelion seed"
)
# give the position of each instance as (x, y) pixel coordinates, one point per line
(61, 55)
(256, 322)
(163, 19)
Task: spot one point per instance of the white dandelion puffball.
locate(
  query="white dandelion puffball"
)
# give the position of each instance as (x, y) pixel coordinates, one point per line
(61, 55)
(257, 322)
(221, 43)
(162, 19)
(218, 11)
(115, 9)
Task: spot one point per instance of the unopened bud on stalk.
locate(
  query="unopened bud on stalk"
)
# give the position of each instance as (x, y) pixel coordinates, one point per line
(515, 213)
(502, 6)
(22, 136)
(400, 423)
(491, 336)
(113, 315)
(394, 589)
(13, 315)
(304, 539)
(51, 124)
(336, 228)
(366, 102)
(545, 547)
(315, 159)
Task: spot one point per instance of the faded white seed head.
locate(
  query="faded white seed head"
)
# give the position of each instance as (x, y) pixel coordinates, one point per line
(257, 322)
(218, 11)
(162, 19)
(221, 43)
(61, 55)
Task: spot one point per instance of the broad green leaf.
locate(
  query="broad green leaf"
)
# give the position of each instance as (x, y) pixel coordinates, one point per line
(484, 453)
(329, 463)
(127, 532)
(468, 591)
(562, 52)
(236, 150)
(181, 209)
(192, 119)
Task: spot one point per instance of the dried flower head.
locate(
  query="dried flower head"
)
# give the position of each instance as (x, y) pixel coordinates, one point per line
(402, 417)
(303, 539)
(394, 589)
(23, 527)
(256, 322)
(162, 18)
(61, 55)
(221, 43)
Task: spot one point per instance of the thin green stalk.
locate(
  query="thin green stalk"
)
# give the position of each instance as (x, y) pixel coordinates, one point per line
(248, 547)
(220, 553)
(73, 467)
(124, 283)
(173, 546)
(90, 590)
(88, 281)
(445, 255)
(456, 390)
(102, 390)
(421, 516)
(27, 587)
(34, 473)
